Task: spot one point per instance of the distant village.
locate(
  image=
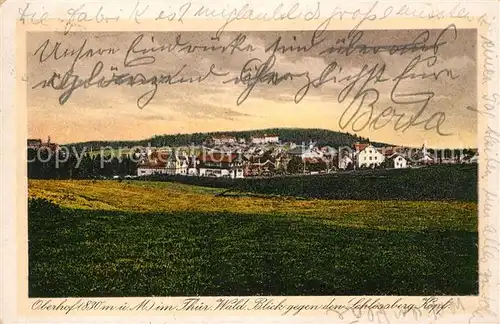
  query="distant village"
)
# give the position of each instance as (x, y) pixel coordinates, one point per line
(265, 155)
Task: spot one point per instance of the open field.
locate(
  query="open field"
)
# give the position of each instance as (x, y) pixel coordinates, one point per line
(140, 238)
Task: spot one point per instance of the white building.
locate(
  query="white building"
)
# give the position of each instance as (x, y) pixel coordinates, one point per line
(150, 169)
(258, 140)
(398, 161)
(221, 172)
(221, 140)
(177, 165)
(369, 157)
(266, 139)
(275, 139)
(192, 169)
(312, 153)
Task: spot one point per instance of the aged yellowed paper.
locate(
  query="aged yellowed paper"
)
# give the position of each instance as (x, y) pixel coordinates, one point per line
(326, 161)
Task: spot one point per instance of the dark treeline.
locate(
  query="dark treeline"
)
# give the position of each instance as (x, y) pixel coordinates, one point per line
(44, 164)
(296, 135)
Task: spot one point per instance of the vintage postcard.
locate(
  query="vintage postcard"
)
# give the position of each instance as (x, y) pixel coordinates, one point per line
(299, 160)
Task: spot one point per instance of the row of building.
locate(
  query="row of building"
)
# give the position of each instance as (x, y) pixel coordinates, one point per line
(217, 165)
(225, 156)
(221, 161)
(367, 156)
(213, 164)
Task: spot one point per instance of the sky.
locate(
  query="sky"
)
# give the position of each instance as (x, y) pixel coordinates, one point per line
(112, 113)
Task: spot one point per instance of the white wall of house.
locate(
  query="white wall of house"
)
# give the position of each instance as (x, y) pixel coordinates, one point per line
(213, 172)
(272, 139)
(192, 171)
(368, 157)
(258, 140)
(145, 171)
(177, 166)
(265, 139)
(224, 140)
(312, 154)
(399, 162)
(237, 173)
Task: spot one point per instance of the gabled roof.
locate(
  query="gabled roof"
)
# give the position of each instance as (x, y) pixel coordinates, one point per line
(396, 154)
(369, 146)
(426, 158)
(263, 163)
(389, 152)
(361, 146)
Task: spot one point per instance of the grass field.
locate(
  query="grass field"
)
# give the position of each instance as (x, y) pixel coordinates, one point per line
(139, 238)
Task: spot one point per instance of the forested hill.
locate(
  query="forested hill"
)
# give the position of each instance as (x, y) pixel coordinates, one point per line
(296, 135)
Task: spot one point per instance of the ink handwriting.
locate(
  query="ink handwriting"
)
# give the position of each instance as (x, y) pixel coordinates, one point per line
(359, 92)
(70, 81)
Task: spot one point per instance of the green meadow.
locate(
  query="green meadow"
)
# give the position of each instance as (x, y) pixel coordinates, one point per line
(145, 238)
